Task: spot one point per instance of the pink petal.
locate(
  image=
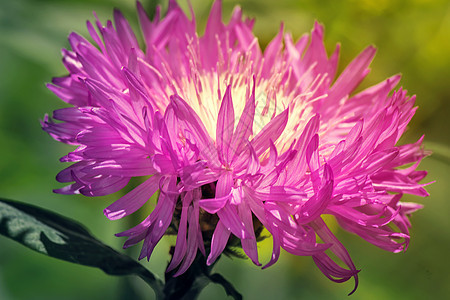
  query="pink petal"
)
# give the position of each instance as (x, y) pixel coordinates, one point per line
(244, 126)
(270, 132)
(192, 244)
(225, 125)
(223, 194)
(248, 245)
(192, 122)
(218, 242)
(229, 217)
(134, 200)
(316, 205)
(352, 75)
(124, 31)
(180, 246)
(339, 250)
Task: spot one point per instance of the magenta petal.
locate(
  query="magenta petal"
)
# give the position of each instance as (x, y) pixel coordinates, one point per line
(196, 175)
(223, 194)
(229, 217)
(214, 29)
(95, 36)
(353, 74)
(180, 246)
(271, 54)
(316, 205)
(225, 125)
(192, 244)
(228, 213)
(316, 53)
(71, 189)
(104, 185)
(145, 23)
(126, 167)
(124, 31)
(162, 219)
(338, 249)
(214, 25)
(244, 127)
(270, 132)
(63, 132)
(332, 270)
(213, 205)
(280, 193)
(185, 113)
(276, 248)
(310, 130)
(69, 90)
(253, 166)
(218, 242)
(224, 185)
(134, 200)
(378, 160)
(249, 244)
(195, 220)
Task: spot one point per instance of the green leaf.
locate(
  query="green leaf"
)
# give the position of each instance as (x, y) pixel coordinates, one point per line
(60, 237)
(57, 236)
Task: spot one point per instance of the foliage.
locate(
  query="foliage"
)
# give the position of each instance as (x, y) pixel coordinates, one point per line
(59, 237)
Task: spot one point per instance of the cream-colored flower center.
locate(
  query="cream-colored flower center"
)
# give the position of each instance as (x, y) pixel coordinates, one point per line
(206, 96)
(205, 93)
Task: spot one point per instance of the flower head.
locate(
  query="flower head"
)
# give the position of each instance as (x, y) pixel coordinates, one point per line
(236, 139)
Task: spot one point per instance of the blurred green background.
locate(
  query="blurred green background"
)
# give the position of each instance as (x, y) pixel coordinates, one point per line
(412, 37)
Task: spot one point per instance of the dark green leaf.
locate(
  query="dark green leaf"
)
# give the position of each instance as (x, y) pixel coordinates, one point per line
(57, 236)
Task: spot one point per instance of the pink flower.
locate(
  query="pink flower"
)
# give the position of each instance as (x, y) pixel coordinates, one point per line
(236, 139)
